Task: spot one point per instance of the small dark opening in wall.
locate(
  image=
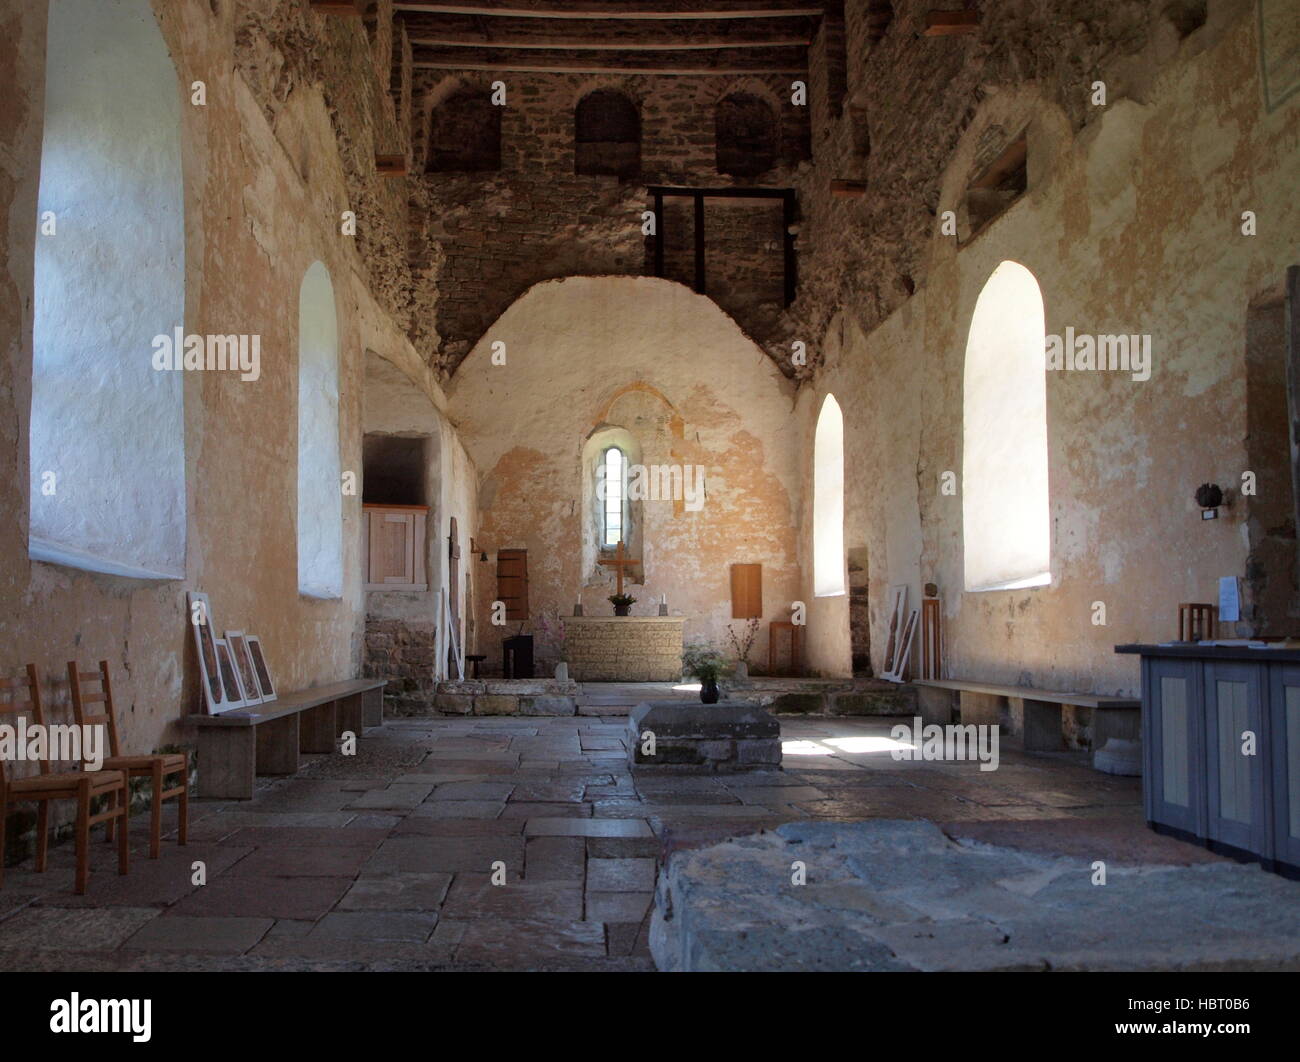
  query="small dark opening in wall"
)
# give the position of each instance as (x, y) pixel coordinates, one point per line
(880, 13)
(745, 135)
(1001, 183)
(465, 135)
(860, 131)
(393, 470)
(607, 135)
(1187, 16)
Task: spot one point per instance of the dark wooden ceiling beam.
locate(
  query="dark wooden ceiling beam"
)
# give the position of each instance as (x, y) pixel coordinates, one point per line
(593, 68)
(951, 23)
(607, 45)
(610, 12)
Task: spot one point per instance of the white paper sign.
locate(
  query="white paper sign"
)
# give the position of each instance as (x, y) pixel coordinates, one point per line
(1229, 600)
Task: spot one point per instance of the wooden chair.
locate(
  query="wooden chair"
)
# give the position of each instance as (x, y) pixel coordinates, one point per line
(155, 766)
(81, 786)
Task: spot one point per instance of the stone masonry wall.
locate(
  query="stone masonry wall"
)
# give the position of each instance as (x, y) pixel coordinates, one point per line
(500, 233)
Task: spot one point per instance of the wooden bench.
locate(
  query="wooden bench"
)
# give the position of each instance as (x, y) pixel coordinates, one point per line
(236, 746)
(981, 702)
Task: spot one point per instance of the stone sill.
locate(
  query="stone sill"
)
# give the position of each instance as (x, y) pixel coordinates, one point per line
(579, 620)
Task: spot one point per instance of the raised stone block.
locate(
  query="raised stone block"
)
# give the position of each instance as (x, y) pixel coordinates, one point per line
(896, 700)
(488, 704)
(704, 737)
(798, 703)
(759, 752)
(548, 706)
(454, 703)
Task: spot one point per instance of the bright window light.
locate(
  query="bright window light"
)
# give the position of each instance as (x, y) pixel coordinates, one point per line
(867, 744)
(804, 748)
(828, 502)
(1006, 529)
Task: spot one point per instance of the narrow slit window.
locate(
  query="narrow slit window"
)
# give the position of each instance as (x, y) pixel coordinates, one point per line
(614, 481)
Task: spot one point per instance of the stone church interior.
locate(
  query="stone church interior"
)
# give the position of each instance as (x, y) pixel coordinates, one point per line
(650, 485)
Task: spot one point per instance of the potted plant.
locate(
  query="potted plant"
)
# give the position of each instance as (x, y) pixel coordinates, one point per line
(622, 603)
(706, 664)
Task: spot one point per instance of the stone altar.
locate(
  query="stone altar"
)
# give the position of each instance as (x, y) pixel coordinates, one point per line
(624, 648)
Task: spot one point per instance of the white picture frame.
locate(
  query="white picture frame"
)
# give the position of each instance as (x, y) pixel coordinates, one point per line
(905, 647)
(894, 634)
(212, 690)
(265, 682)
(244, 665)
(229, 676)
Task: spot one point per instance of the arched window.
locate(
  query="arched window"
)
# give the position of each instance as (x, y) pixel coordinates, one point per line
(745, 135)
(465, 134)
(613, 486)
(607, 135)
(107, 436)
(828, 502)
(320, 498)
(1006, 531)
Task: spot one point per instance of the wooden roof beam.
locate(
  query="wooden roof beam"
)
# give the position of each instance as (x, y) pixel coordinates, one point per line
(571, 68)
(347, 8)
(951, 23)
(807, 11)
(594, 45)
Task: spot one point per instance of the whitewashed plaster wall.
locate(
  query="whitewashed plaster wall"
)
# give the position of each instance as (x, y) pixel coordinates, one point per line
(395, 405)
(107, 441)
(666, 364)
(253, 224)
(1135, 226)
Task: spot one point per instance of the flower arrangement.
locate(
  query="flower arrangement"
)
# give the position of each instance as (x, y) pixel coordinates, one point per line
(743, 644)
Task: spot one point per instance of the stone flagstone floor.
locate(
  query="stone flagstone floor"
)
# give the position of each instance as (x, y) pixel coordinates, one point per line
(383, 860)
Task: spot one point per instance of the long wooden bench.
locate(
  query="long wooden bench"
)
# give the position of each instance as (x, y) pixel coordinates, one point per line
(981, 702)
(236, 746)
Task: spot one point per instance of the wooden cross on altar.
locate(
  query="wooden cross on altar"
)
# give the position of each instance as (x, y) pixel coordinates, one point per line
(618, 563)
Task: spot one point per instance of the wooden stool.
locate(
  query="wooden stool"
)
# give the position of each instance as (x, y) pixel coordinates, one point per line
(475, 660)
(1196, 622)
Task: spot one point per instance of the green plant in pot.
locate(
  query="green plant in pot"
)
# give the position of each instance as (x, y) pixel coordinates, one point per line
(622, 603)
(706, 664)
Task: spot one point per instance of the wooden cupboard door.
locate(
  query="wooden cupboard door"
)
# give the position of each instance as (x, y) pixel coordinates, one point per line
(1174, 745)
(1234, 754)
(392, 548)
(1284, 740)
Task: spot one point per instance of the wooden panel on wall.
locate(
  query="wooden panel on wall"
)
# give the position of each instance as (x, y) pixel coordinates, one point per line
(395, 545)
(512, 582)
(746, 591)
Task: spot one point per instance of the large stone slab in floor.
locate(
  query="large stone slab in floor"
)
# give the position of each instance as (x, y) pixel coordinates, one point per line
(900, 895)
(703, 737)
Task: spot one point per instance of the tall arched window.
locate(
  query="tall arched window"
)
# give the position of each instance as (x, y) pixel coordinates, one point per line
(607, 135)
(745, 135)
(828, 502)
(1006, 531)
(320, 497)
(613, 486)
(107, 437)
(465, 134)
